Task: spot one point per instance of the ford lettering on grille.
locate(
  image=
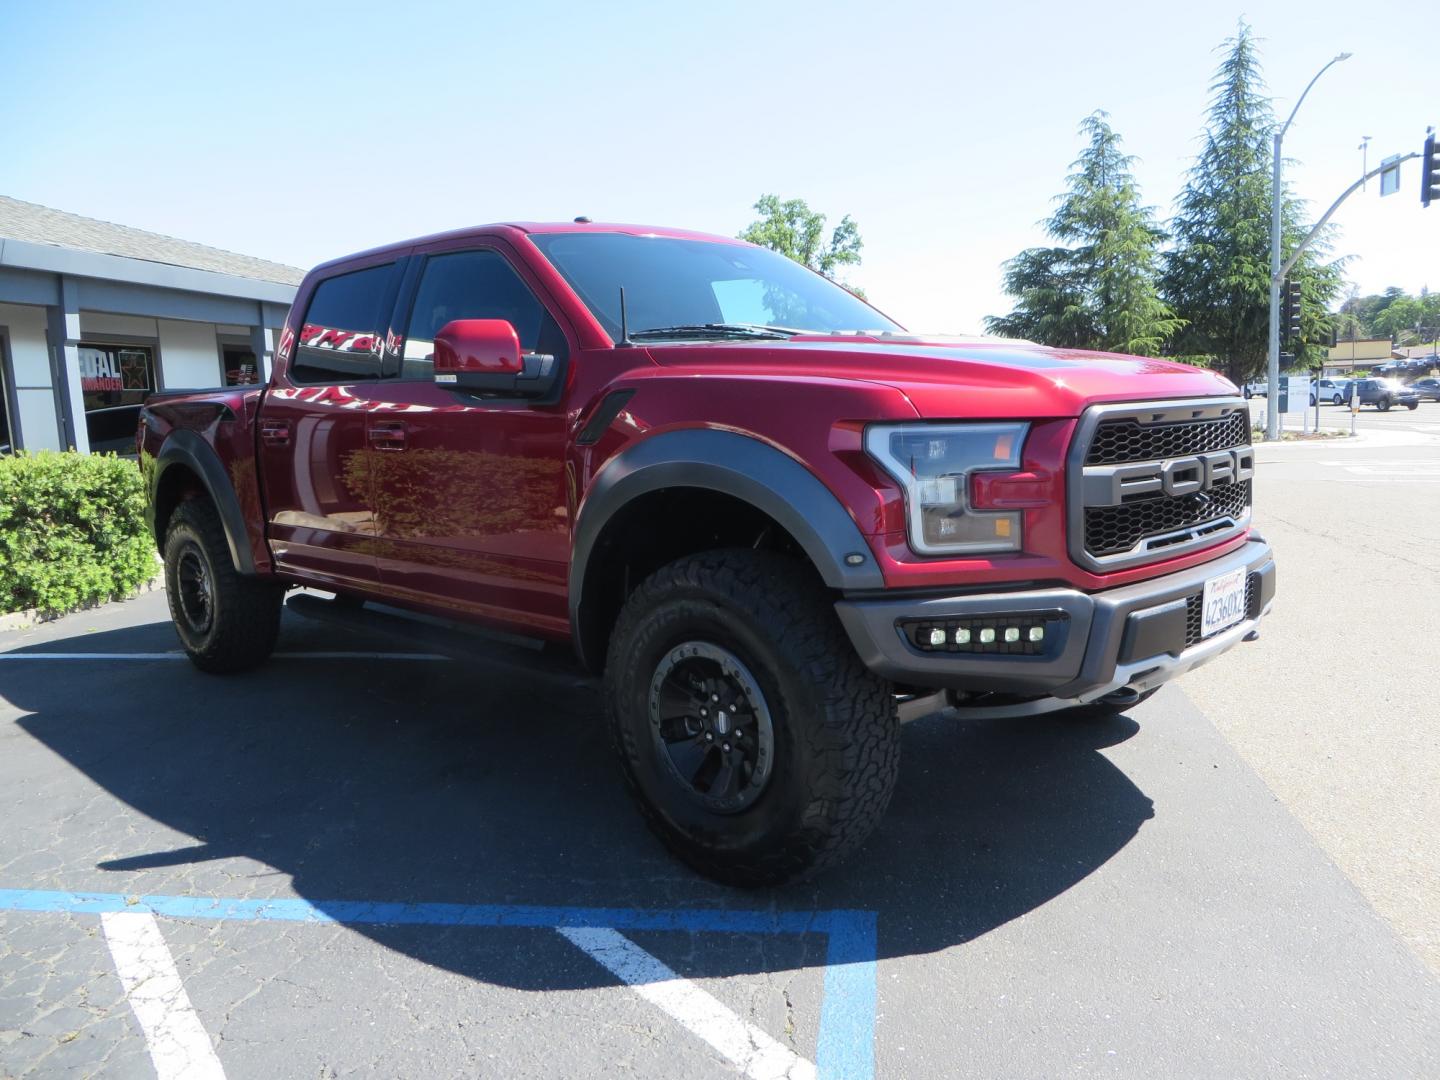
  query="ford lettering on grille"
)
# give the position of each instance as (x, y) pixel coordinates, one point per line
(1111, 485)
(1156, 480)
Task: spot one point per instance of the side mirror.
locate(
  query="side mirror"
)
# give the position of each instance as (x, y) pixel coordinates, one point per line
(484, 355)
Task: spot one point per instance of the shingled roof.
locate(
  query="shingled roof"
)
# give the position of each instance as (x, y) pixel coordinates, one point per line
(42, 225)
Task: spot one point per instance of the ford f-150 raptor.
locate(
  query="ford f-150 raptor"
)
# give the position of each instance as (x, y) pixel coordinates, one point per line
(758, 506)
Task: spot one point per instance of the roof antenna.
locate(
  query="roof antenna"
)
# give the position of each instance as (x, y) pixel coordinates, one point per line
(624, 324)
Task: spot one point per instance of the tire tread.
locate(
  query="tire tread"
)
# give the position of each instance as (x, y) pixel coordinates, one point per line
(856, 732)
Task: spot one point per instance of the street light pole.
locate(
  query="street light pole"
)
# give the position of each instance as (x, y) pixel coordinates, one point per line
(1272, 366)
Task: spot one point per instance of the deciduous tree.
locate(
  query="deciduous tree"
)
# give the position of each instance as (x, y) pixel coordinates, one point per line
(796, 231)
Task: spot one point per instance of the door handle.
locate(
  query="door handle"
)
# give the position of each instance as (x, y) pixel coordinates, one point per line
(388, 435)
(275, 432)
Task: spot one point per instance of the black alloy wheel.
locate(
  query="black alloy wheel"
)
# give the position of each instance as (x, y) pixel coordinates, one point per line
(756, 744)
(711, 726)
(226, 621)
(197, 592)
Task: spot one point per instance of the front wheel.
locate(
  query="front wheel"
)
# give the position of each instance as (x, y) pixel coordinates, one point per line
(756, 744)
(226, 622)
(1412, 405)
(1337, 400)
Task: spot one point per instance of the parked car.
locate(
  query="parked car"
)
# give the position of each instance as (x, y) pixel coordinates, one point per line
(1258, 388)
(1335, 391)
(1427, 388)
(1383, 393)
(769, 516)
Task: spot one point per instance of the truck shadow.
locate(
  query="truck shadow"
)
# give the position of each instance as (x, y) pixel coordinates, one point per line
(449, 782)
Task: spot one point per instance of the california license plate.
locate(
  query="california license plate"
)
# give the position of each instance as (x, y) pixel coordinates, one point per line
(1223, 602)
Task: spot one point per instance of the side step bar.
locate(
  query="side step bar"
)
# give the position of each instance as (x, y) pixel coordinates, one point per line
(459, 641)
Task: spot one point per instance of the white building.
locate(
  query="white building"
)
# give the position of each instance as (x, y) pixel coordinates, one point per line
(94, 316)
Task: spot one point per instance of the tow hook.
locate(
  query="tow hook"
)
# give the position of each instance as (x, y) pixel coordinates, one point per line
(1124, 697)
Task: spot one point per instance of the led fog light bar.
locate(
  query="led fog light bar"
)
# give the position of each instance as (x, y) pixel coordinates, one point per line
(1016, 635)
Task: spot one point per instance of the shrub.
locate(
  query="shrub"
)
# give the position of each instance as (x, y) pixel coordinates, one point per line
(72, 531)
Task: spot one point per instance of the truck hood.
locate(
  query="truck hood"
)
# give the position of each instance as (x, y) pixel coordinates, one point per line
(973, 379)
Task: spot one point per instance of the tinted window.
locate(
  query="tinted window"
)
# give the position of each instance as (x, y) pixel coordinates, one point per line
(340, 338)
(674, 282)
(474, 285)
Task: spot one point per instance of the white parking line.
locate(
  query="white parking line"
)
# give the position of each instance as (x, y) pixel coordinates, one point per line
(752, 1050)
(16, 655)
(1380, 471)
(178, 1043)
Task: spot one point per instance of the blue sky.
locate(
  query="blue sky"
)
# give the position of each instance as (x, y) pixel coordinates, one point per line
(301, 131)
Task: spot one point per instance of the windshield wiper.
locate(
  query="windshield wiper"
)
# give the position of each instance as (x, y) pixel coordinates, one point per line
(714, 330)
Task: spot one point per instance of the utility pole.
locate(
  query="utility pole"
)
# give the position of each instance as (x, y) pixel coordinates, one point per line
(1272, 366)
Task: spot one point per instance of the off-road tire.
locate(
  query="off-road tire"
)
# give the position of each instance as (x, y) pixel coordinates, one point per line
(242, 620)
(836, 736)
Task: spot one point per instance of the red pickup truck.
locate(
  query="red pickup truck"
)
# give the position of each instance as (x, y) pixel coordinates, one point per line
(768, 515)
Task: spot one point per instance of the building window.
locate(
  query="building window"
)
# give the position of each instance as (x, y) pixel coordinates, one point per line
(7, 430)
(114, 380)
(240, 366)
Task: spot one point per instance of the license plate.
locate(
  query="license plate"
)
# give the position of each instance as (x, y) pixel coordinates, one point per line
(1223, 602)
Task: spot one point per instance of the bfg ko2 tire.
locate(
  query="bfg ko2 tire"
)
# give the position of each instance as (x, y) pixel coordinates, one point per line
(757, 745)
(226, 622)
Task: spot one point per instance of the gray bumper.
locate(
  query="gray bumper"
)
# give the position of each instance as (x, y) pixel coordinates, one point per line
(1132, 637)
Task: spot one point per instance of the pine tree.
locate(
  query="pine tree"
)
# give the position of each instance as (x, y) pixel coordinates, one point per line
(1099, 290)
(1217, 278)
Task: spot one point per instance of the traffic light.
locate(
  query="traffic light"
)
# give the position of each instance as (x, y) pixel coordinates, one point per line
(1429, 172)
(1290, 312)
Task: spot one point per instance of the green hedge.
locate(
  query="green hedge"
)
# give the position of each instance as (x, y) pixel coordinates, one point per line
(72, 531)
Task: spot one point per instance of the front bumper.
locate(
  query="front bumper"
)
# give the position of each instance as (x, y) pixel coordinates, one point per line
(1134, 637)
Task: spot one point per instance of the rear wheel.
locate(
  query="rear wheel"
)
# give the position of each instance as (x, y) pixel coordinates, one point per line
(1383, 404)
(226, 622)
(756, 744)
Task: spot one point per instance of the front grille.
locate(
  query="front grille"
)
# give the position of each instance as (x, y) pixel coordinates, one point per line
(1194, 601)
(1110, 530)
(1120, 441)
(1154, 480)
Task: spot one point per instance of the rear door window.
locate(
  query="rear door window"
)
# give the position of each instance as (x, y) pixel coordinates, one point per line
(340, 338)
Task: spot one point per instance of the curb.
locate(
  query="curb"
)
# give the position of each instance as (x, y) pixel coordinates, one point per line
(32, 617)
(1371, 438)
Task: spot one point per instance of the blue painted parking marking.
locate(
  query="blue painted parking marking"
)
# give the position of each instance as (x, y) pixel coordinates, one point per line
(845, 1047)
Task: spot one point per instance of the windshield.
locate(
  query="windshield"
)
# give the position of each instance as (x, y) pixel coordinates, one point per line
(671, 284)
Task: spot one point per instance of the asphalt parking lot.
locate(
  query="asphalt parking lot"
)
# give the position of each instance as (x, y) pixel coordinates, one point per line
(353, 863)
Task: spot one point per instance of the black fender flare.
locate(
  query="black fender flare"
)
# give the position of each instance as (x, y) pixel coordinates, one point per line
(187, 448)
(736, 465)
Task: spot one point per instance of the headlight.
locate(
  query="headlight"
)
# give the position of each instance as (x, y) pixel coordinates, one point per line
(933, 464)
